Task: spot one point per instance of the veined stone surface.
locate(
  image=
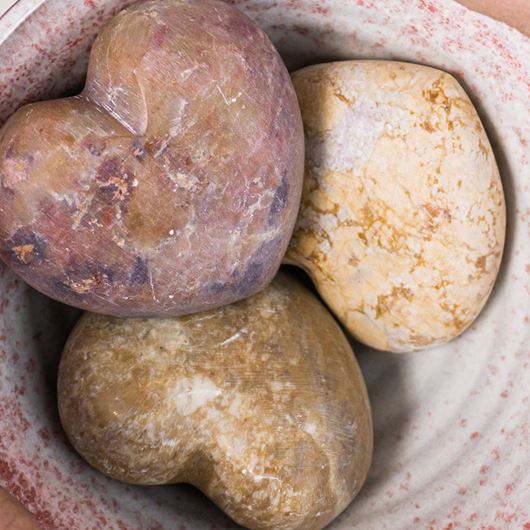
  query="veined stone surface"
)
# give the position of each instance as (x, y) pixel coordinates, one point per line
(260, 404)
(403, 219)
(172, 183)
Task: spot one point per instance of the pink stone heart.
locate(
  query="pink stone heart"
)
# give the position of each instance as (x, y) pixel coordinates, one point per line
(171, 184)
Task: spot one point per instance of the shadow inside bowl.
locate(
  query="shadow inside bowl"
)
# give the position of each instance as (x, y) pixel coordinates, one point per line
(391, 404)
(190, 504)
(49, 323)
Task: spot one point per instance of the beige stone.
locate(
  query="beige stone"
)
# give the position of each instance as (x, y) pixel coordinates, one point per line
(402, 221)
(260, 404)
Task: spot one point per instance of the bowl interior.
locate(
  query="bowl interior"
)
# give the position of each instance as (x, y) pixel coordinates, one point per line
(450, 429)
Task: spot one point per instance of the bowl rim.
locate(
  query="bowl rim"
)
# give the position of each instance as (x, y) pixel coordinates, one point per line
(13, 13)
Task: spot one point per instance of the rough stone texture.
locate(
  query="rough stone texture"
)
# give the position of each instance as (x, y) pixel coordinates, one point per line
(402, 221)
(260, 404)
(172, 183)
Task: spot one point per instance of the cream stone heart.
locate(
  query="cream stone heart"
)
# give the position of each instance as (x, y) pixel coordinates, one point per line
(403, 219)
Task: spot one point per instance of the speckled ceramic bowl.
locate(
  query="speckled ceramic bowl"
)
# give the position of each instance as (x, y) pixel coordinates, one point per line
(452, 424)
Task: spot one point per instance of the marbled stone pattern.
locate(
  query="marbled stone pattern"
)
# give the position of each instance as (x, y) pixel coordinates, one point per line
(260, 404)
(403, 218)
(172, 183)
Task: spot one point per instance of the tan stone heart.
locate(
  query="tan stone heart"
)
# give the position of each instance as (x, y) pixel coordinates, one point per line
(260, 404)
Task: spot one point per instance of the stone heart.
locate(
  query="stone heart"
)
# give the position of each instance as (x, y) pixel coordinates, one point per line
(172, 182)
(403, 219)
(260, 404)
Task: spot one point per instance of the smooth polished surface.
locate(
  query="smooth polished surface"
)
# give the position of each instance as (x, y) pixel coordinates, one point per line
(172, 183)
(403, 218)
(260, 404)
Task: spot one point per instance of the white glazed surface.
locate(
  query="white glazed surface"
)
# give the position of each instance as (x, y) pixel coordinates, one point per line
(452, 425)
